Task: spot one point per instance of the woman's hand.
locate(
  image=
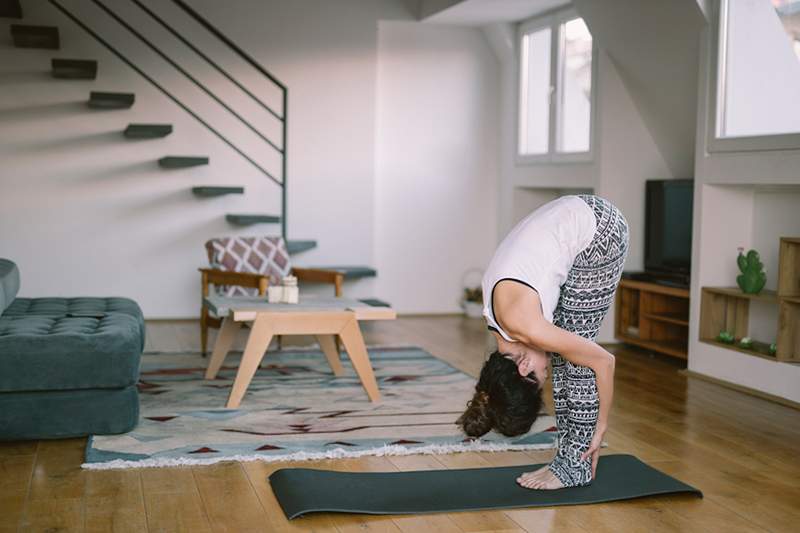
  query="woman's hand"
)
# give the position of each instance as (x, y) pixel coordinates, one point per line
(594, 448)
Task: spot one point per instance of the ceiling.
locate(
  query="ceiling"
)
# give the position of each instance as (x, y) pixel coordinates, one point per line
(481, 12)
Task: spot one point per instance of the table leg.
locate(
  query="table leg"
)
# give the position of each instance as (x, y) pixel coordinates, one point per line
(328, 345)
(257, 343)
(222, 346)
(357, 351)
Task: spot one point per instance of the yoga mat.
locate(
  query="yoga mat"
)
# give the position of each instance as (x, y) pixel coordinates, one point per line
(303, 490)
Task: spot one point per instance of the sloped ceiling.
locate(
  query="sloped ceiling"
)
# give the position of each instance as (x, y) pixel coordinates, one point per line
(655, 47)
(482, 12)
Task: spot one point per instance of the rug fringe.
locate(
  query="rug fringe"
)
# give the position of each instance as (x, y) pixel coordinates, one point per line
(337, 453)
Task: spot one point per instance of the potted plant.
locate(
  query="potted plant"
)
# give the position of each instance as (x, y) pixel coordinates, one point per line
(472, 302)
(472, 295)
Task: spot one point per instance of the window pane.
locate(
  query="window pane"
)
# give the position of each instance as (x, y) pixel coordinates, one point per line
(759, 68)
(534, 105)
(575, 94)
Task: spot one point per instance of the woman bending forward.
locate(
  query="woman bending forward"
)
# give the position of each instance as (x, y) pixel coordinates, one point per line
(546, 291)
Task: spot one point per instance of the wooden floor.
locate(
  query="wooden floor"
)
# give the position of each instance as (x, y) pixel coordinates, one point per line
(743, 452)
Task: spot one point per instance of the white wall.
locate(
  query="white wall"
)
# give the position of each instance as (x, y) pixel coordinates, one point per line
(81, 199)
(436, 162)
(748, 199)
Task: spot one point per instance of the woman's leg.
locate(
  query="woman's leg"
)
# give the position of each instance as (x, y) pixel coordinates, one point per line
(585, 299)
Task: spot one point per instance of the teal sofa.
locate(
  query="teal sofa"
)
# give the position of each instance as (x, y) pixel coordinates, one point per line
(68, 366)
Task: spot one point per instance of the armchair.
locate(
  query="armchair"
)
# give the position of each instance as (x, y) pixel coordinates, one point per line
(245, 266)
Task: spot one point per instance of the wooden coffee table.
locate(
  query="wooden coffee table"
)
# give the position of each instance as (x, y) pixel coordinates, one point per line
(322, 317)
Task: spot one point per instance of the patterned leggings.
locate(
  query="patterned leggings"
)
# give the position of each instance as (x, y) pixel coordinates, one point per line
(584, 301)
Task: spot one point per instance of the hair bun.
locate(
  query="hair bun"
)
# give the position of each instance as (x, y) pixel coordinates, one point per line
(476, 420)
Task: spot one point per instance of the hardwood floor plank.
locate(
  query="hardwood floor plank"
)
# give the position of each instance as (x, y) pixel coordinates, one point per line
(8, 448)
(175, 511)
(54, 514)
(114, 501)
(229, 499)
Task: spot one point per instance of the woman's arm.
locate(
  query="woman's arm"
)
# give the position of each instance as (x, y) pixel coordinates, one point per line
(577, 350)
(519, 312)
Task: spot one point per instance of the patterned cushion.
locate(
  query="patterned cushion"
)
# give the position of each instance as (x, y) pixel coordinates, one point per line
(66, 352)
(256, 255)
(9, 283)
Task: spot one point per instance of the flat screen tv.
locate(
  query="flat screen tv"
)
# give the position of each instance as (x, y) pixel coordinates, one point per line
(668, 227)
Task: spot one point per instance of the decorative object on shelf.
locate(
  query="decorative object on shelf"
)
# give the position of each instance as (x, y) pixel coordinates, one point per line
(773, 349)
(726, 337)
(746, 342)
(472, 297)
(753, 278)
(286, 293)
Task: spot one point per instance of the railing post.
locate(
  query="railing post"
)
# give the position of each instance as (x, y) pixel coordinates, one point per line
(284, 155)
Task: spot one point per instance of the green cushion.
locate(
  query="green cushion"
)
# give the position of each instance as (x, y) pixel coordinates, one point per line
(81, 306)
(9, 283)
(46, 353)
(73, 413)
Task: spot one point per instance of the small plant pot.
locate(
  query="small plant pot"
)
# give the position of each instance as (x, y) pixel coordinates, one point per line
(472, 309)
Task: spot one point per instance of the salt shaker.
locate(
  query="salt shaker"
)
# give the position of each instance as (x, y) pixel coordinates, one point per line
(291, 292)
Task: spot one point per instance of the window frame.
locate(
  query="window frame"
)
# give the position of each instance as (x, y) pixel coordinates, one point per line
(716, 98)
(552, 20)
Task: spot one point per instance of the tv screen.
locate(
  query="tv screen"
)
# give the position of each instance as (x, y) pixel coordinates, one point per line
(668, 226)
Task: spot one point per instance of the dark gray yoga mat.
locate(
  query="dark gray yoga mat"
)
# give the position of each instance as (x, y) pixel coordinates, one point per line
(303, 490)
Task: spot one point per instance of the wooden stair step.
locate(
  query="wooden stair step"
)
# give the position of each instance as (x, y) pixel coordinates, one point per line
(106, 100)
(28, 36)
(352, 272)
(74, 69)
(10, 9)
(182, 161)
(211, 191)
(147, 131)
(375, 302)
(250, 219)
(297, 246)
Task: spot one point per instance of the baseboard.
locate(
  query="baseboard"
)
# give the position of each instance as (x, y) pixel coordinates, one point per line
(741, 388)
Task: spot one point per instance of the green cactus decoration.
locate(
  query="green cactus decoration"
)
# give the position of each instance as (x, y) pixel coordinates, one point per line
(753, 278)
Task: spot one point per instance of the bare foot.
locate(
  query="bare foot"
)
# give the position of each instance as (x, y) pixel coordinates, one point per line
(528, 477)
(544, 481)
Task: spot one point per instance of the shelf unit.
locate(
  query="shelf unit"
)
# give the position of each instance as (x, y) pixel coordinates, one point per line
(728, 309)
(653, 316)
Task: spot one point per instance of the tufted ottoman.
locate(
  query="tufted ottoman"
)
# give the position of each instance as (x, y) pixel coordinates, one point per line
(68, 366)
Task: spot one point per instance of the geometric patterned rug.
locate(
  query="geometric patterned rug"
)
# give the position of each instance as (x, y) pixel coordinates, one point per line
(296, 409)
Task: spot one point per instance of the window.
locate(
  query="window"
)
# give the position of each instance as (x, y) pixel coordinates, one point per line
(555, 89)
(758, 74)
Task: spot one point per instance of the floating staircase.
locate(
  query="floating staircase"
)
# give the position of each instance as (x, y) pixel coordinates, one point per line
(45, 37)
(352, 272)
(251, 219)
(147, 131)
(213, 191)
(104, 100)
(295, 247)
(74, 69)
(182, 161)
(48, 38)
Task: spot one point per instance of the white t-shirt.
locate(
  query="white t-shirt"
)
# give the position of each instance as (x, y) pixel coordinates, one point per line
(539, 252)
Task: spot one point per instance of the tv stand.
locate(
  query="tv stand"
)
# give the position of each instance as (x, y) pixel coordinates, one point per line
(669, 280)
(653, 316)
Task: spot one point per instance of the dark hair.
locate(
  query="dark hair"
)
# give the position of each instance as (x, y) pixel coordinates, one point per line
(503, 400)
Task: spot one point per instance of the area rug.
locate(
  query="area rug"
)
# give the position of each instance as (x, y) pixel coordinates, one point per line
(296, 409)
